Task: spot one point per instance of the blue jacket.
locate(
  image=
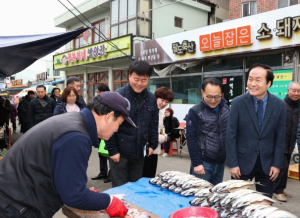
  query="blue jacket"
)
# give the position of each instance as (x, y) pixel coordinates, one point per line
(61, 107)
(243, 141)
(206, 133)
(130, 141)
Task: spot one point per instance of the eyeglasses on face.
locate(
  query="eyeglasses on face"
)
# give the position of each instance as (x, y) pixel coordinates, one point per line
(210, 97)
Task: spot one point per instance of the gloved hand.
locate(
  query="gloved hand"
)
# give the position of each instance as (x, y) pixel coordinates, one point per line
(116, 208)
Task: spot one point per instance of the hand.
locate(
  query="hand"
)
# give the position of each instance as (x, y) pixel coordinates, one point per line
(166, 138)
(115, 158)
(116, 208)
(150, 151)
(199, 170)
(235, 172)
(274, 173)
(94, 190)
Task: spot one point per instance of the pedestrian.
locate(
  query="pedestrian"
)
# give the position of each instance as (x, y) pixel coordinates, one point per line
(292, 120)
(13, 116)
(74, 81)
(126, 147)
(104, 173)
(206, 133)
(23, 110)
(163, 97)
(298, 143)
(5, 110)
(170, 123)
(46, 168)
(254, 138)
(55, 95)
(69, 102)
(41, 107)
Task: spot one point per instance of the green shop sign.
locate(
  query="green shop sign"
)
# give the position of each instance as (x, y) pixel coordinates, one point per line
(282, 78)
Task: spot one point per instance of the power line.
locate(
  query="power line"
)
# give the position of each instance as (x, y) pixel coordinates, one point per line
(105, 39)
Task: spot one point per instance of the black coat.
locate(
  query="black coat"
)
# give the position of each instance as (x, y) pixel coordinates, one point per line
(170, 124)
(5, 114)
(38, 113)
(57, 100)
(23, 109)
(292, 119)
(61, 108)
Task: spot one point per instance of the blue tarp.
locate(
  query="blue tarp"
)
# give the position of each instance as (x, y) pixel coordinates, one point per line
(18, 52)
(156, 200)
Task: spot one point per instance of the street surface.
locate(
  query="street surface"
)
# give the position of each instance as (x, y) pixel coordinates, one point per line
(183, 165)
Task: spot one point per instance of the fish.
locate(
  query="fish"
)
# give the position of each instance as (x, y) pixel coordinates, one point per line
(250, 210)
(165, 185)
(178, 177)
(223, 185)
(189, 192)
(180, 182)
(237, 185)
(197, 183)
(197, 201)
(170, 175)
(162, 174)
(172, 187)
(217, 208)
(262, 213)
(206, 203)
(251, 198)
(281, 214)
(237, 194)
(217, 197)
(177, 190)
(203, 193)
(154, 180)
(159, 182)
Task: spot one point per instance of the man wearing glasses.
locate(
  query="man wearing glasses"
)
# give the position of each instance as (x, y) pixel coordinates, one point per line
(206, 132)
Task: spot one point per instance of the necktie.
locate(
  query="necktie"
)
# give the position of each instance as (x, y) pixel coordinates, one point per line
(260, 114)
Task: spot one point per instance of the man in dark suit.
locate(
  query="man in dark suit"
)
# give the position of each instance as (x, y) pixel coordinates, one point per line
(256, 132)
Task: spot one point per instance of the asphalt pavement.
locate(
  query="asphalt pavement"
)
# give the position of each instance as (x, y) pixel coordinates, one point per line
(183, 165)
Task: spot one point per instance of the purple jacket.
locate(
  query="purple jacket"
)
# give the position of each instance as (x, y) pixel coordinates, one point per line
(14, 114)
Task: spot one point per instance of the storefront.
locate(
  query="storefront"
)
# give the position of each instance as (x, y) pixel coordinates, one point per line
(225, 51)
(99, 63)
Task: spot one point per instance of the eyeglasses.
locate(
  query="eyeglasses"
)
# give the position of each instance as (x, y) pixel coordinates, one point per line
(217, 97)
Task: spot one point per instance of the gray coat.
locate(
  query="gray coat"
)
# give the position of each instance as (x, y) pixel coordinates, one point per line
(243, 140)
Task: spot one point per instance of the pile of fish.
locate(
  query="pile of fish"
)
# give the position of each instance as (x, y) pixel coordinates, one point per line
(231, 198)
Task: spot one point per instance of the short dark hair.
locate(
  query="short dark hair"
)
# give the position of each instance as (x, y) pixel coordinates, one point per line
(170, 111)
(52, 93)
(67, 92)
(141, 68)
(270, 75)
(72, 79)
(41, 86)
(212, 81)
(30, 92)
(103, 88)
(101, 109)
(164, 93)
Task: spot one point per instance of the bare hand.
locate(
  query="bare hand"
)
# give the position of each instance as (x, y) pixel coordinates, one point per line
(166, 138)
(115, 158)
(150, 151)
(199, 170)
(274, 173)
(235, 172)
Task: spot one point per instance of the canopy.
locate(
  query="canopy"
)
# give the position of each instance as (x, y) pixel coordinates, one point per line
(18, 52)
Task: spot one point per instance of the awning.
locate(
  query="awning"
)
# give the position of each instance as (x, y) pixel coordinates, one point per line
(18, 52)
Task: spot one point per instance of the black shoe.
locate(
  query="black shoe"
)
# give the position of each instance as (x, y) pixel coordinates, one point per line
(99, 177)
(107, 180)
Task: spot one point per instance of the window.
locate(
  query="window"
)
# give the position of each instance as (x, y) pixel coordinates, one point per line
(120, 78)
(178, 22)
(285, 3)
(95, 79)
(98, 27)
(248, 8)
(126, 19)
(78, 41)
(56, 73)
(48, 72)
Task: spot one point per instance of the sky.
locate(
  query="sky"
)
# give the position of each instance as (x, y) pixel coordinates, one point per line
(29, 17)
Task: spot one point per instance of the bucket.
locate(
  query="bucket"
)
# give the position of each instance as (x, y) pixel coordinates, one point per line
(188, 212)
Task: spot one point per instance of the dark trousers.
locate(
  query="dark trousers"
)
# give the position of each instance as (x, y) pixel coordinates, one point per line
(126, 170)
(103, 165)
(150, 165)
(280, 182)
(25, 127)
(167, 144)
(14, 126)
(267, 185)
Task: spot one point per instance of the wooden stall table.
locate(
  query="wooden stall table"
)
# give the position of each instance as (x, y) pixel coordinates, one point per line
(71, 212)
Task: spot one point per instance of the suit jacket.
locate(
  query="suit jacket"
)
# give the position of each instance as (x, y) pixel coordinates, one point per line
(243, 140)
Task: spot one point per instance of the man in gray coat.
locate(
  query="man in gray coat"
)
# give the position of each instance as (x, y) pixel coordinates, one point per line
(256, 131)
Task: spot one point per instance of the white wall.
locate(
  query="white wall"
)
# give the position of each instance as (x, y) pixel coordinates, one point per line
(180, 110)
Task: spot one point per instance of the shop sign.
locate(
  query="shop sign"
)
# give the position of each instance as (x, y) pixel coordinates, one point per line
(226, 39)
(41, 76)
(17, 82)
(281, 81)
(98, 52)
(185, 46)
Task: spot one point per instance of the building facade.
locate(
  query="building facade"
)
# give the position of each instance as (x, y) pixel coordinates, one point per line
(102, 55)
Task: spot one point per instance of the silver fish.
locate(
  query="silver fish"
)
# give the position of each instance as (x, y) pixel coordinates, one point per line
(170, 175)
(165, 185)
(162, 174)
(177, 190)
(159, 182)
(217, 197)
(197, 183)
(154, 180)
(234, 195)
(203, 192)
(189, 192)
(250, 210)
(223, 185)
(172, 187)
(206, 203)
(249, 198)
(281, 214)
(178, 177)
(180, 182)
(262, 213)
(197, 201)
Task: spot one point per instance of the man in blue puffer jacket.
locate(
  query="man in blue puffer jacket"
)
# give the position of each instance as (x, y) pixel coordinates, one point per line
(127, 145)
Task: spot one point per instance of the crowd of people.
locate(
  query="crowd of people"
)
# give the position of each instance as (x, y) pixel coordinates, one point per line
(256, 136)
